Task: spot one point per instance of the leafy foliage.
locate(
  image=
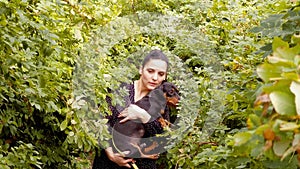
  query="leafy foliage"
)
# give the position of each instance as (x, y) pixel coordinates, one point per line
(272, 133)
(211, 137)
(39, 41)
(284, 24)
(59, 57)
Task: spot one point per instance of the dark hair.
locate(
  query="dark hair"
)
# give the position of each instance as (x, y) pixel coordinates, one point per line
(155, 54)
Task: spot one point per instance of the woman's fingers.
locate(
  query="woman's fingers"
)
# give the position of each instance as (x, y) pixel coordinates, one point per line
(118, 158)
(121, 161)
(124, 113)
(124, 120)
(126, 162)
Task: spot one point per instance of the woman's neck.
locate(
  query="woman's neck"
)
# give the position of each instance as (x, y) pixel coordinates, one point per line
(139, 90)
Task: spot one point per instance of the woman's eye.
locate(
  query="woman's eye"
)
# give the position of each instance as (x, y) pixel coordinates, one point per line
(161, 74)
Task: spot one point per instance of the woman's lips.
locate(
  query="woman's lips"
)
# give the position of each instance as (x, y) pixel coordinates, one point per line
(153, 84)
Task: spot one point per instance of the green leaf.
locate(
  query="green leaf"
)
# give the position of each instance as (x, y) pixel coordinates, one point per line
(253, 121)
(295, 88)
(296, 139)
(281, 146)
(288, 152)
(256, 29)
(279, 43)
(37, 106)
(295, 39)
(52, 105)
(290, 75)
(280, 61)
(283, 103)
(281, 85)
(241, 138)
(64, 125)
(287, 53)
(268, 72)
(289, 126)
(297, 60)
(260, 130)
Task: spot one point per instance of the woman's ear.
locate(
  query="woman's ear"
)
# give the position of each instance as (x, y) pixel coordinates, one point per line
(166, 78)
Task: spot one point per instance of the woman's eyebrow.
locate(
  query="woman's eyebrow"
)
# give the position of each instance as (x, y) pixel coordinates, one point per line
(159, 71)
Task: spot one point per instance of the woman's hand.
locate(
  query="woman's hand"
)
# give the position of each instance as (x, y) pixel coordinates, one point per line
(134, 112)
(118, 158)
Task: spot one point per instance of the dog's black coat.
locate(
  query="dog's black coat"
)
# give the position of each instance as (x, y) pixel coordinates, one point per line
(131, 132)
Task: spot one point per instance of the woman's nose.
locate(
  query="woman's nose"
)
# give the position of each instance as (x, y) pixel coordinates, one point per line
(154, 76)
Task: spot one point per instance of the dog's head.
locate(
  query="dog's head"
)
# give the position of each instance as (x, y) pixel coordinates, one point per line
(171, 93)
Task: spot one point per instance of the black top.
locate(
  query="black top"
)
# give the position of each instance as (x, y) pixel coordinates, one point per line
(102, 162)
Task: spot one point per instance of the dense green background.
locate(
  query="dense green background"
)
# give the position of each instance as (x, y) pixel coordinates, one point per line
(236, 63)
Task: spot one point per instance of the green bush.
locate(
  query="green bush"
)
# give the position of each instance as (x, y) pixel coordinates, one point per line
(59, 57)
(273, 129)
(39, 44)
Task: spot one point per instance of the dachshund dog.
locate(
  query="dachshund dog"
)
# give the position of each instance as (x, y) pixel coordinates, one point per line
(127, 136)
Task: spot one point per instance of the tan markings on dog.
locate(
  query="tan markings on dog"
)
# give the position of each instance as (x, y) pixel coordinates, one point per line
(150, 156)
(172, 101)
(151, 147)
(162, 111)
(163, 122)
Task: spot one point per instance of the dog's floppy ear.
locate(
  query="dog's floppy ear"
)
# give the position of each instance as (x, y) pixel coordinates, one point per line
(175, 87)
(157, 94)
(157, 103)
(161, 86)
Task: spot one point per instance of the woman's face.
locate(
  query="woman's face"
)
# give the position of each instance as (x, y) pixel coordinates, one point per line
(153, 73)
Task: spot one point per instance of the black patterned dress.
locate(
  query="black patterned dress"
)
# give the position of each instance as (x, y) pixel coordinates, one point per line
(152, 128)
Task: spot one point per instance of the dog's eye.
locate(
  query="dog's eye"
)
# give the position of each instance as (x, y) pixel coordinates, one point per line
(171, 92)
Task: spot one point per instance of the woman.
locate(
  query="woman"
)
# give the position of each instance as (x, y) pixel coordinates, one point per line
(152, 73)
